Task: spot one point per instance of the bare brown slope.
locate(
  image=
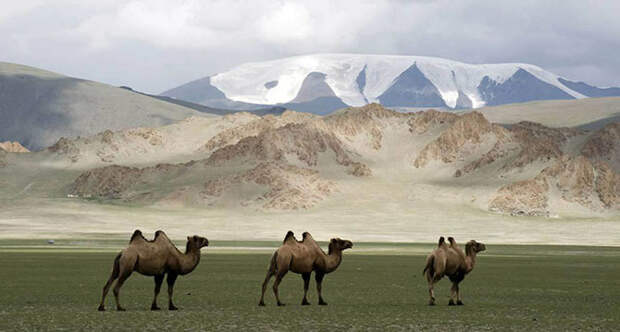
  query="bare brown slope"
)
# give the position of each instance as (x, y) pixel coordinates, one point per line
(605, 145)
(577, 179)
(9, 146)
(297, 161)
(462, 137)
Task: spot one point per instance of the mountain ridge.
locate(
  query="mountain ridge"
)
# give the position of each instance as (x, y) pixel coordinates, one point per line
(38, 107)
(392, 80)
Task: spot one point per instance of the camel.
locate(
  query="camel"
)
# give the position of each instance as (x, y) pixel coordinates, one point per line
(450, 260)
(153, 258)
(303, 257)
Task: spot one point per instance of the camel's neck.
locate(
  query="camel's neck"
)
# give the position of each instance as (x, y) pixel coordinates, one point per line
(333, 260)
(189, 260)
(470, 261)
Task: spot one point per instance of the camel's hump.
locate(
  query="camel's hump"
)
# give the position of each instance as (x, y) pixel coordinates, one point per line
(160, 233)
(289, 236)
(137, 234)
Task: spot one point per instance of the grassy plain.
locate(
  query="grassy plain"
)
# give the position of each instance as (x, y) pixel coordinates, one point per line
(378, 287)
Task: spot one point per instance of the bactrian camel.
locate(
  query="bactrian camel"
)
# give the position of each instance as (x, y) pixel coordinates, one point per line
(153, 258)
(450, 260)
(303, 257)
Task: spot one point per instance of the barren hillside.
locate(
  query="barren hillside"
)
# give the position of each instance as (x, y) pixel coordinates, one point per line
(369, 162)
(296, 161)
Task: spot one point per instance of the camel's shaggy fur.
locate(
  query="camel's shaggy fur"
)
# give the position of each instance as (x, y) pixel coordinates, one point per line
(303, 257)
(153, 258)
(450, 260)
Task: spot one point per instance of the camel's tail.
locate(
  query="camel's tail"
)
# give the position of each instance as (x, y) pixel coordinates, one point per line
(429, 266)
(116, 268)
(273, 266)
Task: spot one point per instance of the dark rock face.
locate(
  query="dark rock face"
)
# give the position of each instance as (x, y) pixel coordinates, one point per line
(590, 91)
(271, 84)
(319, 106)
(361, 80)
(315, 96)
(412, 89)
(520, 87)
(196, 91)
(463, 101)
(313, 87)
(202, 92)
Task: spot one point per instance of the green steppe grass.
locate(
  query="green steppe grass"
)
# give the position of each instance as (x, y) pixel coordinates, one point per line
(377, 287)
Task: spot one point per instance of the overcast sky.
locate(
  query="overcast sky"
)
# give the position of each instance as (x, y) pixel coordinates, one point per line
(153, 45)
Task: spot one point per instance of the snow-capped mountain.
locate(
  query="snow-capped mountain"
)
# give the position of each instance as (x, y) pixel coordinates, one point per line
(321, 83)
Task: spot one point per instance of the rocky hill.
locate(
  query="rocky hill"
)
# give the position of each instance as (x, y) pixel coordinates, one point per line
(9, 146)
(38, 107)
(358, 156)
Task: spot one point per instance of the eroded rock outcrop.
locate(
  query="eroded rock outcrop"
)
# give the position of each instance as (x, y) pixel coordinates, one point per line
(288, 187)
(605, 145)
(67, 147)
(421, 122)
(366, 120)
(593, 185)
(305, 141)
(2, 158)
(523, 198)
(465, 134)
(107, 182)
(253, 128)
(277, 162)
(114, 181)
(526, 143)
(14, 147)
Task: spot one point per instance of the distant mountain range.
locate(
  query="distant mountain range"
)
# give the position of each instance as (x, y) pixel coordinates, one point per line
(38, 107)
(322, 83)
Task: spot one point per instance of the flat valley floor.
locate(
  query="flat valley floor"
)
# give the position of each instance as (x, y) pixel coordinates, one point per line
(377, 287)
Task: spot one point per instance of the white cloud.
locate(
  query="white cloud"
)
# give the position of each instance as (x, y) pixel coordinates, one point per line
(289, 22)
(155, 44)
(159, 22)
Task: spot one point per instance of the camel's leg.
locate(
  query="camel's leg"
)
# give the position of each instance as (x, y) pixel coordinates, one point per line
(172, 277)
(159, 279)
(318, 277)
(453, 292)
(458, 295)
(306, 277)
(431, 292)
(106, 288)
(281, 273)
(270, 273)
(117, 288)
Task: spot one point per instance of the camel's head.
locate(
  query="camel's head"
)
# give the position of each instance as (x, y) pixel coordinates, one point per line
(197, 241)
(340, 244)
(474, 246)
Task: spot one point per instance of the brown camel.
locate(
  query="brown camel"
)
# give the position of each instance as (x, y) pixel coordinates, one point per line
(451, 261)
(153, 258)
(303, 257)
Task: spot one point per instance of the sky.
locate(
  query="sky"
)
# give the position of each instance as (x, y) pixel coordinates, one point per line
(155, 45)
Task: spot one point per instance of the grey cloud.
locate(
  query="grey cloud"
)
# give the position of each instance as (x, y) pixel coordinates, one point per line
(174, 42)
